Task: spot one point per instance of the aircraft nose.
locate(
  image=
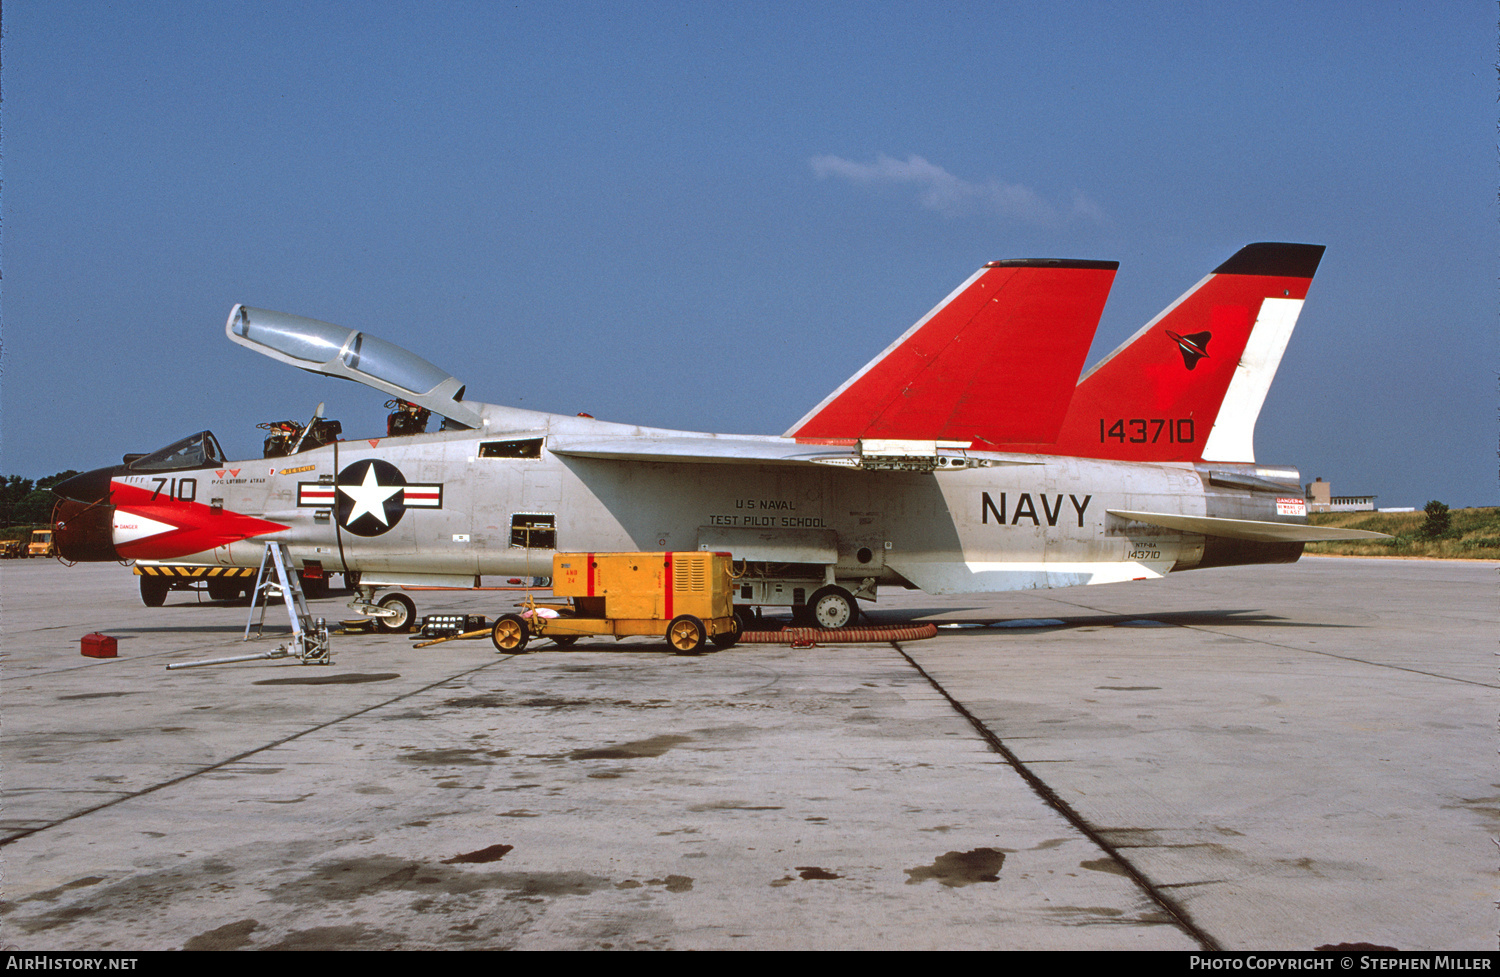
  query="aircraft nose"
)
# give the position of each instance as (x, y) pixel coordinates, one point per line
(83, 519)
(90, 487)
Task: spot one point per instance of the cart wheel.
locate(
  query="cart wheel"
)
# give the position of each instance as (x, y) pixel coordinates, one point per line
(510, 635)
(154, 590)
(728, 639)
(564, 640)
(685, 634)
(833, 607)
(406, 611)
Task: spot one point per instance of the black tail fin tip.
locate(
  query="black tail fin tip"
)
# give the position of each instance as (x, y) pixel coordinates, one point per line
(1055, 263)
(1275, 260)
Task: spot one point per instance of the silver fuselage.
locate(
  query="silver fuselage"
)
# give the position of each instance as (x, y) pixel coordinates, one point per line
(1013, 522)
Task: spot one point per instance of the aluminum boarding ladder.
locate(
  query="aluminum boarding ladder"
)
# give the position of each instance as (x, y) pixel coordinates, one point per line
(309, 636)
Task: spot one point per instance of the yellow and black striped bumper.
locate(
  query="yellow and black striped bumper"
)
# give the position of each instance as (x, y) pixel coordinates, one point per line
(194, 572)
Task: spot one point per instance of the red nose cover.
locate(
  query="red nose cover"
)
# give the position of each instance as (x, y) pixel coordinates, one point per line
(83, 531)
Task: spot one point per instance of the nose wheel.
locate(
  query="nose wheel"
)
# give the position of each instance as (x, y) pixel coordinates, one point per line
(154, 590)
(402, 610)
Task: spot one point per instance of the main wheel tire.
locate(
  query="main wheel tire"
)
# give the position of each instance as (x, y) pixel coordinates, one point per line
(749, 618)
(685, 634)
(564, 640)
(728, 639)
(400, 622)
(154, 590)
(509, 635)
(832, 608)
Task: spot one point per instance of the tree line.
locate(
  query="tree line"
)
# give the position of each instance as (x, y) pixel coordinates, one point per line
(24, 502)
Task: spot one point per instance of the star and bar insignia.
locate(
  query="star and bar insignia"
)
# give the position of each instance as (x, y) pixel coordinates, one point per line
(369, 497)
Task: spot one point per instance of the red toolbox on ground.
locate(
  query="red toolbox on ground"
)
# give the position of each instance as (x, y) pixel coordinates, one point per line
(99, 646)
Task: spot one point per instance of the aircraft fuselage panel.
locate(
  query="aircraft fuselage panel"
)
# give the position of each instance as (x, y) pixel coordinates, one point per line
(448, 505)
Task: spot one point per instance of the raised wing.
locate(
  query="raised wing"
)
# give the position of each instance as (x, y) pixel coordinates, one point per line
(720, 450)
(702, 450)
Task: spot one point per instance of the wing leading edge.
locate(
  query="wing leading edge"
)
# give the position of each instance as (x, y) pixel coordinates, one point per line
(715, 450)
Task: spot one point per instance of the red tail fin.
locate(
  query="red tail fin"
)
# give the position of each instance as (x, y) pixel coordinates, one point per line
(1189, 385)
(997, 360)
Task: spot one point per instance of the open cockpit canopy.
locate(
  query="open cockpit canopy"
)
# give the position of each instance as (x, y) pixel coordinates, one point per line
(338, 351)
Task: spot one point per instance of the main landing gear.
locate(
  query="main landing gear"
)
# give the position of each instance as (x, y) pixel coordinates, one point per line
(832, 608)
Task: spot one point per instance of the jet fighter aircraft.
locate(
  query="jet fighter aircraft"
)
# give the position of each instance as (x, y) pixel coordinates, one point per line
(964, 458)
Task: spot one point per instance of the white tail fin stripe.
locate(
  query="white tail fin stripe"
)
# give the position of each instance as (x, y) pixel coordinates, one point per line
(1233, 435)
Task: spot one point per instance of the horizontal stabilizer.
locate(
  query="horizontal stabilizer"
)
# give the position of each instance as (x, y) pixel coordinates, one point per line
(1253, 529)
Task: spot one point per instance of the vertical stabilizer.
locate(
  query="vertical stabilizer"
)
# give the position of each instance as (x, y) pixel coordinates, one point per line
(997, 360)
(1190, 384)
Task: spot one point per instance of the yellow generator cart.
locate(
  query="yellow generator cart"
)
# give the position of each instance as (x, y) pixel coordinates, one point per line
(684, 597)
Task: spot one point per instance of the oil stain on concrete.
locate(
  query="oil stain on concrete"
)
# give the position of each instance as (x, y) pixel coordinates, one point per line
(653, 747)
(452, 757)
(345, 880)
(484, 855)
(230, 936)
(960, 868)
(351, 678)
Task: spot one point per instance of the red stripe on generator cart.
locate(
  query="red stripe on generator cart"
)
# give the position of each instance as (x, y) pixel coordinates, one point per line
(591, 574)
(667, 588)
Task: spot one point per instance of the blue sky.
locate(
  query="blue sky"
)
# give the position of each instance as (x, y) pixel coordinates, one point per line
(707, 216)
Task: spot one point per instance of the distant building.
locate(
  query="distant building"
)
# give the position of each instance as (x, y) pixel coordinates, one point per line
(1320, 498)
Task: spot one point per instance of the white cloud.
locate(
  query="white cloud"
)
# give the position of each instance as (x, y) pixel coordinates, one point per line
(951, 196)
(1084, 206)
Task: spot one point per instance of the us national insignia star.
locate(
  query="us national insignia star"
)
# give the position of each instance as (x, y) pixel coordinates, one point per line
(369, 499)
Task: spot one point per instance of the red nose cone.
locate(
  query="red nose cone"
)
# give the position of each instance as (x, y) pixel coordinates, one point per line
(84, 532)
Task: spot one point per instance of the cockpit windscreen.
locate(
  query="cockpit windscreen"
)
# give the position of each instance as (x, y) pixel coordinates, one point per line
(199, 450)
